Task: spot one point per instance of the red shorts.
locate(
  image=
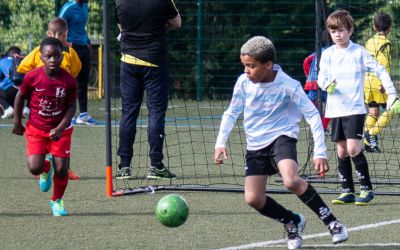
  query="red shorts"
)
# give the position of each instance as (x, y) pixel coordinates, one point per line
(38, 142)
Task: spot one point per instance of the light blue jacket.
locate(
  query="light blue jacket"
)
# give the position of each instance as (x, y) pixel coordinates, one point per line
(76, 16)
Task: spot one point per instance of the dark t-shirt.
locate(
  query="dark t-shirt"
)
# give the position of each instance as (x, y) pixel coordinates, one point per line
(143, 24)
(49, 98)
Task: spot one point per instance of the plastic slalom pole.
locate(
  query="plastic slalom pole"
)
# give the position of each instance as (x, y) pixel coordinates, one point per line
(107, 90)
(318, 34)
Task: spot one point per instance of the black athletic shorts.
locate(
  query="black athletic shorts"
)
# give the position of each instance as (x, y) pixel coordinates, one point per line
(265, 161)
(376, 105)
(347, 127)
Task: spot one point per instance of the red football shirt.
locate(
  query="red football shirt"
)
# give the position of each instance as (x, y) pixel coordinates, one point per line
(49, 98)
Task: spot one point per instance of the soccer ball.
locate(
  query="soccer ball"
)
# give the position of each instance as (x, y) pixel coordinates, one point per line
(172, 210)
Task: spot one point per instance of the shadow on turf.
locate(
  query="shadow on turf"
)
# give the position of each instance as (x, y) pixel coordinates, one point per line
(13, 215)
(340, 246)
(204, 212)
(31, 177)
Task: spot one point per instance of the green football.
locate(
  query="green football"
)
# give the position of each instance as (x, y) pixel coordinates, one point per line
(172, 210)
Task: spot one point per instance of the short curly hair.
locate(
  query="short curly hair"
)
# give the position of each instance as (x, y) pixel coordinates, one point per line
(260, 48)
(51, 41)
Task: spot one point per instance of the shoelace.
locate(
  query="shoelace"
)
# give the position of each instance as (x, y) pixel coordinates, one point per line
(59, 205)
(373, 141)
(292, 230)
(45, 176)
(364, 194)
(337, 229)
(344, 195)
(124, 171)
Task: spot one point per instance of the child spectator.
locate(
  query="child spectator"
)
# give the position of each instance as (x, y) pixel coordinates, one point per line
(9, 85)
(56, 28)
(52, 94)
(311, 72)
(378, 46)
(342, 72)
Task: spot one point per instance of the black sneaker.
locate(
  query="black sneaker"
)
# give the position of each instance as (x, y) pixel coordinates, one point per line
(371, 143)
(160, 172)
(123, 173)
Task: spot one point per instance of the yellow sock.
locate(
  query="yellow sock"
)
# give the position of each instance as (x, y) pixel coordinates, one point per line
(382, 123)
(370, 122)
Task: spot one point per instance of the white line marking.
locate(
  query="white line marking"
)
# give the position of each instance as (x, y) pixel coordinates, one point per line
(311, 236)
(330, 246)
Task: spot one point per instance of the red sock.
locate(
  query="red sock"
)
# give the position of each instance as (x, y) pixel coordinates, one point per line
(46, 166)
(325, 122)
(60, 184)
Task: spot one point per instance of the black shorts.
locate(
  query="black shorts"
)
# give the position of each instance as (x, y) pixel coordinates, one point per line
(265, 161)
(348, 127)
(376, 105)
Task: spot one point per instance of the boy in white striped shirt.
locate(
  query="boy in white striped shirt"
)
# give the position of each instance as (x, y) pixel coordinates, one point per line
(273, 104)
(344, 64)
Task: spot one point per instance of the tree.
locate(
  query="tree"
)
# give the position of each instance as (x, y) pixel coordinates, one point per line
(26, 24)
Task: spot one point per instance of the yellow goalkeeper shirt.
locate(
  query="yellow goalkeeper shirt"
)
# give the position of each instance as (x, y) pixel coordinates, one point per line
(70, 62)
(378, 46)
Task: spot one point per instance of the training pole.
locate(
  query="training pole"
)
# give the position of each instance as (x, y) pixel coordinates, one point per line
(107, 94)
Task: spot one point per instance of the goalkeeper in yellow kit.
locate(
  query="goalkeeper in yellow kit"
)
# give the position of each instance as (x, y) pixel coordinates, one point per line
(379, 46)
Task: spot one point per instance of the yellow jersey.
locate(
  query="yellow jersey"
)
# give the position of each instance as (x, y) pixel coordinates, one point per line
(379, 46)
(70, 62)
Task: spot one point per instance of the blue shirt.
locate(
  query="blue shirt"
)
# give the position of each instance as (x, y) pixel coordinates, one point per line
(5, 65)
(270, 110)
(76, 15)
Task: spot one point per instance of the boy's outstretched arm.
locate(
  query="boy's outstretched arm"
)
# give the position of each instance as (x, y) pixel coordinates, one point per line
(217, 155)
(313, 118)
(18, 128)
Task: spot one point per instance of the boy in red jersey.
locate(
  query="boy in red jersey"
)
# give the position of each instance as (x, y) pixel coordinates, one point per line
(57, 28)
(52, 94)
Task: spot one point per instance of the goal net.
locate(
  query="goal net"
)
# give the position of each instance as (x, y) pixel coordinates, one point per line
(204, 63)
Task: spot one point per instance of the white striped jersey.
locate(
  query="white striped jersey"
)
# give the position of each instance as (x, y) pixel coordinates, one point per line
(271, 109)
(348, 67)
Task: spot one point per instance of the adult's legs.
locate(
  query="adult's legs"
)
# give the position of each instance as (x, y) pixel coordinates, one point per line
(157, 88)
(83, 77)
(132, 88)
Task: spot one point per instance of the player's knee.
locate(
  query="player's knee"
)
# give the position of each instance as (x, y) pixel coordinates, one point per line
(35, 167)
(62, 173)
(294, 183)
(255, 201)
(354, 152)
(34, 170)
(342, 154)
